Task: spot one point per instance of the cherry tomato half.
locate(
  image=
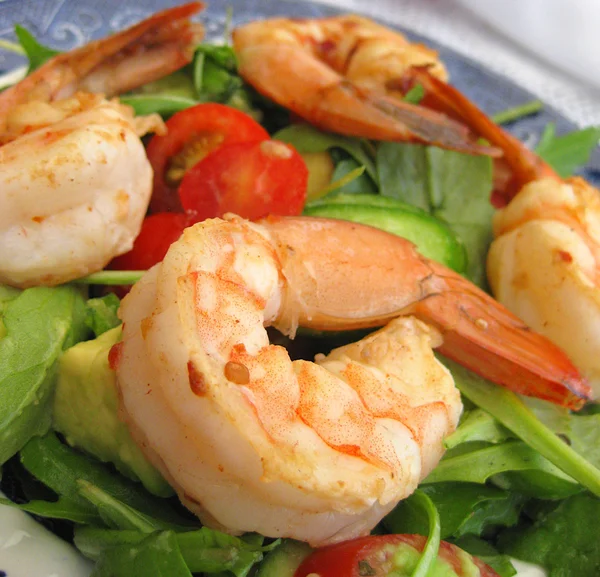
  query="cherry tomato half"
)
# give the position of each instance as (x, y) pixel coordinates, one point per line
(373, 555)
(192, 134)
(158, 232)
(251, 179)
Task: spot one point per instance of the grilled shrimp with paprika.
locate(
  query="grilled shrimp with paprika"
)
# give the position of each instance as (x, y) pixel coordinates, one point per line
(544, 263)
(75, 181)
(339, 74)
(252, 441)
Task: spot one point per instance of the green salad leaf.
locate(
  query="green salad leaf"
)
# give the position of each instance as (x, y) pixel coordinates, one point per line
(509, 410)
(101, 313)
(95, 489)
(35, 52)
(38, 324)
(564, 540)
(202, 550)
(451, 186)
(463, 508)
(487, 553)
(568, 152)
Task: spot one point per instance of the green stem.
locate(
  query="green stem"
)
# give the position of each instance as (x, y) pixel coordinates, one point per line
(112, 277)
(343, 181)
(507, 408)
(12, 47)
(517, 112)
(426, 562)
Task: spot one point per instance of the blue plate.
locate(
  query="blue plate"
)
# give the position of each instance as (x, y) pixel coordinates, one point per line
(63, 24)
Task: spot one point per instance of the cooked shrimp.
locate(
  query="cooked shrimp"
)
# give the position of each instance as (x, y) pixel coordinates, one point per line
(339, 74)
(252, 441)
(544, 263)
(73, 194)
(149, 50)
(75, 181)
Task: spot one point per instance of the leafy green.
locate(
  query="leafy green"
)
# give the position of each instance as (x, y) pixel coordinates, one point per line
(484, 551)
(430, 551)
(306, 138)
(64, 508)
(564, 540)
(215, 78)
(35, 52)
(101, 313)
(158, 554)
(568, 152)
(359, 184)
(67, 472)
(451, 186)
(477, 425)
(463, 508)
(111, 277)
(415, 94)
(509, 410)
(39, 323)
(518, 112)
(203, 550)
(163, 104)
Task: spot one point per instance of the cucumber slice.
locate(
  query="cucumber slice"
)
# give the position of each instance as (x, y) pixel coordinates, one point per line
(367, 199)
(283, 561)
(433, 238)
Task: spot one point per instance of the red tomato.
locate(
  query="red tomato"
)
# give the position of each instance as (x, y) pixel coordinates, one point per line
(192, 134)
(369, 556)
(251, 179)
(158, 232)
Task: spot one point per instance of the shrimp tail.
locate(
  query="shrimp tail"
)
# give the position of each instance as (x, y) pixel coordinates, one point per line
(485, 337)
(142, 53)
(525, 166)
(386, 277)
(308, 87)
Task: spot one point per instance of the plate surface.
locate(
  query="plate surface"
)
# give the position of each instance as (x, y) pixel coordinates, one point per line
(63, 24)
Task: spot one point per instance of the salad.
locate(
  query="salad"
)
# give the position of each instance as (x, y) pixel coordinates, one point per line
(87, 450)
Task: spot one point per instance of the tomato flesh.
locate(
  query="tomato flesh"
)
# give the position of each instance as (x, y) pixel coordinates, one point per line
(371, 556)
(251, 179)
(158, 232)
(194, 132)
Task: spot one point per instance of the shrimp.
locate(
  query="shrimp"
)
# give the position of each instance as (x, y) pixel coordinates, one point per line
(155, 47)
(544, 262)
(75, 181)
(337, 73)
(252, 441)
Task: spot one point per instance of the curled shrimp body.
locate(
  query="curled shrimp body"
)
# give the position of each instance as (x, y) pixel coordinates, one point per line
(75, 181)
(73, 195)
(543, 266)
(341, 74)
(252, 441)
(544, 263)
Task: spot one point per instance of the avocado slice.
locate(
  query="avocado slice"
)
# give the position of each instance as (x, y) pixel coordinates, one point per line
(86, 411)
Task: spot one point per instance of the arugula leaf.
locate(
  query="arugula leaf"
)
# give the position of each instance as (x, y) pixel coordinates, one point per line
(62, 469)
(204, 550)
(163, 104)
(39, 323)
(158, 554)
(452, 186)
(35, 52)
(568, 152)
(63, 508)
(484, 551)
(359, 184)
(464, 508)
(306, 138)
(477, 425)
(507, 408)
(564, 541)
(101, 313)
